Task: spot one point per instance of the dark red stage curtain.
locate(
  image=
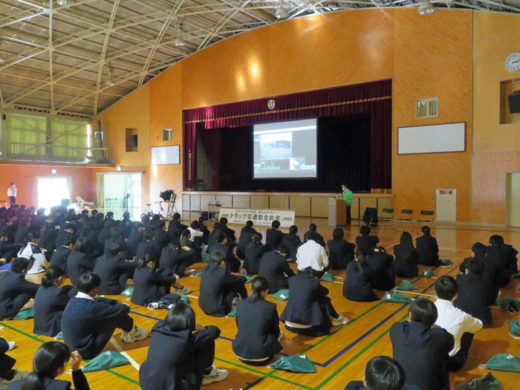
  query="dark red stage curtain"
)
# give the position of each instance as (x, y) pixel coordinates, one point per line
(374, 99)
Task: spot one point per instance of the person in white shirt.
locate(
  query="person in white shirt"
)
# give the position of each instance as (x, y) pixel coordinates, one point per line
(32, 252)
(11, 193)
(194, 229)
(311, 254)
(458, 323)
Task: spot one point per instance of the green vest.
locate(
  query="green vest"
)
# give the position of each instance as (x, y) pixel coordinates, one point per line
(347, 196)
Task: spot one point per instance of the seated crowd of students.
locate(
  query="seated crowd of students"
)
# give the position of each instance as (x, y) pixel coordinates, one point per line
(100, 255)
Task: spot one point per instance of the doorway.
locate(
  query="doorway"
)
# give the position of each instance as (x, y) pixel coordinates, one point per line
(53, 191)
(121, 192)
(513, 199)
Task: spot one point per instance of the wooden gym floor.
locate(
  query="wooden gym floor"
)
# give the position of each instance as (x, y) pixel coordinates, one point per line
(339, 357)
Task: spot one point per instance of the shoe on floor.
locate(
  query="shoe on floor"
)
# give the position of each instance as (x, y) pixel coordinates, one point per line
(183, 290)
(135, 335)
(190, 271)
(12, 345)
(215, 375)
(339, 321)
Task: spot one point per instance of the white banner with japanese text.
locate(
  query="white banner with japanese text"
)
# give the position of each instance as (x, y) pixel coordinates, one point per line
(259, 217)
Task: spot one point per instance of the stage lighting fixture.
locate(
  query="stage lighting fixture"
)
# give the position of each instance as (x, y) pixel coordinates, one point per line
(425, 8)
(281, 12)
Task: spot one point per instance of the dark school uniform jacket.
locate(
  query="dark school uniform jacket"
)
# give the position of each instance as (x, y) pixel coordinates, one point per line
(292, 243)
(428, 250)
(110, 269)
(358, 285)
(49, 304)
(258, 329)
(341, 252)
(78, 264)
(244, 239)
(423, 353)
(78, 378)
(382, 265)
(60, 257)
(175, 229)
(406, 261)
(150, 285)
(232, 263)
(253, 257)
(320, 240)
(11, 286)
(358, 385)
(215, 283)
(366, 242)
(273, 238)
(146, 247)
(274, 267)
(473, 297)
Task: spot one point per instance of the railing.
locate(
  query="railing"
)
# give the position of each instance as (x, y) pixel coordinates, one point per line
(19, 151)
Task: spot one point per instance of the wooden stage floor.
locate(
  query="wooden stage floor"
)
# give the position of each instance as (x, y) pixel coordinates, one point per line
(339, 357)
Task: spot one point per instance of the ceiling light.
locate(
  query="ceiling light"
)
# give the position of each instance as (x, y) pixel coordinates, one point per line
(425, 8)
(281, 12)
(179, 41)
(109, 82)
(3, 56)
(64, 2)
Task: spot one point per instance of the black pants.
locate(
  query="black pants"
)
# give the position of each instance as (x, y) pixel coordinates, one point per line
(317, 274)
(349, 216)
(124, 322)
(202, 357)
(6, 362)
(17, 305)
(323, 329)
(238, 288)
(12, 201)
(457, 361)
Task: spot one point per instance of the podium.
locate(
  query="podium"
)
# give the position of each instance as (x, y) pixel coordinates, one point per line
(337, 212)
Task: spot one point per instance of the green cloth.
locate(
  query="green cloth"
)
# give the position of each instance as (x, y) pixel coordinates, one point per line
(514, 328)
(128, 292)
(105, 361)
(406, 286)
(396, 297)
(504, 362)
(205, 249)
(233, 312)
(516, 274)
(428, 272)
(282, 294)
(249, 279)
(59, 336)
(205, 257)
(196, 274)
(347, 196)
(25, 314)
(487, 382)
(328, 277)
(509, 304)
(446, 262)
(184, 299)
(294, 363)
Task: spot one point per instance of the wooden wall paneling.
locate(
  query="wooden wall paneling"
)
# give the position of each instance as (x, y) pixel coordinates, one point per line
(384, 203)
(225, 200)
(354, 209)
(320, 206)
(366, 202)
(186, 204)
(195, 203)
(242, 201)
(260, 202)
(301, 205)
(205, 200)
(279, 202)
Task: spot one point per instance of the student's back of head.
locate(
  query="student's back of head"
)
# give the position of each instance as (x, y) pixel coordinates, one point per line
(446, 287)
(424, 311)
(256, 239)
(313, 235)
(217, 257)
(275, 224)
(479, 249)
(19, 265)
(258, 286)
(249, 225)
(475, 267)
(148, 260)
(114, 249)
(338, 234)
(48, 362)
(88, 282)
(495, 239)
(406, 240)
(364, 230)
(221, 237)
(80, 245)
(384, 373)
(180, 317)
(69, 239)
(195, 225)
(283, 249)
(53, 273)
(148, 235)
(293, 230)
(425, 230)
(176, 217)
(223, 221)
(312, 227)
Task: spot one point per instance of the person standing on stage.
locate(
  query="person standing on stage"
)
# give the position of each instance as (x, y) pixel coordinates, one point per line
(347, 196)
(11, 193)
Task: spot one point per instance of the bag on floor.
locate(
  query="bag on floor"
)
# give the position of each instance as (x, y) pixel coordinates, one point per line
(514, 329)
(249, 279)
(406, 286)
(428, 273)
(233, 312)
(487, 382)
(59, 336)
(446, 261)
(504, 362)
(105, 361)
(327, 277)
(128, 292)
(281, 295)
(294, 363)
(512, 305)
(205, 257)
(25, 314)
(195, 274)
(396, 297)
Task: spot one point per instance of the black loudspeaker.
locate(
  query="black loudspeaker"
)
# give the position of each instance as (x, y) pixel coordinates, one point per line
(514, 102)
(132, 141)
(370, 216)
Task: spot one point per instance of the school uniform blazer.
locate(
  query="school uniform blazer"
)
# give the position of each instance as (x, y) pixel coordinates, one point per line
(60, 239)
(161, 239)
(253, 257)
(214, 285)
(148, 283)
(11, 286)
(423, 353)
(274, 267)
(428, 250)
(84, 322)
(6, 362)
(9, 248)
(258, 330)
(230, 233)
(244, 239)
(473, 297)
(292, 243)
(358, 385)
(273, 239)
(382, 265)
(175, 229)
(341, 253)
(406, 261)
(232, 263)
(144, 248)
(303, 306)
(499, 257)
(78, 378)
(113, 240)
(78, 264)
(60, 257)
(20, 234)
(358, 285)
(133, 241)
(320, 240)
(49, 304)
(366, 241)
(110, 269)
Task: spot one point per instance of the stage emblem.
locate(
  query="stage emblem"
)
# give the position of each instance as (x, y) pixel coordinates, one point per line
(270, 104)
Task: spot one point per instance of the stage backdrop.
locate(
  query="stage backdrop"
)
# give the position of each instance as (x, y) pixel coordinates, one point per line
(373, 100)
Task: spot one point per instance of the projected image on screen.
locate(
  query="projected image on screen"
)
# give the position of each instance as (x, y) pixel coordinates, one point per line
(285, 150)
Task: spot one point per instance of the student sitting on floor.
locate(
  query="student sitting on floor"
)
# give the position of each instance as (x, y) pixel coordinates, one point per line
(382, 372)
(292, 242)
(365, 240)
(59, 258)
(88, 322)
(8, 250)
(188, 242)
(257, 321)
(312, 254)
(422, 351)
(7, 373)
(253, 254)
(475, 295)
(232, 263)
(49, 362)
(78, 263)
(427, 248)
(181, 353)
(15, 291)
(458, 323)
(309, 310)
(341, 252)
(358, 284)
(116, 237)
(230, 233)
(32, 252)
(502, 257)
(246, 234)
(175, 227)
(50, 302)
(275, 269)
(318, 238)
(134, 239)
(219, 288)
(114, 271)
(150, 284)
(273, 236)
(406, 257)
(176, 259)
(382, 265)
(147, 246)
